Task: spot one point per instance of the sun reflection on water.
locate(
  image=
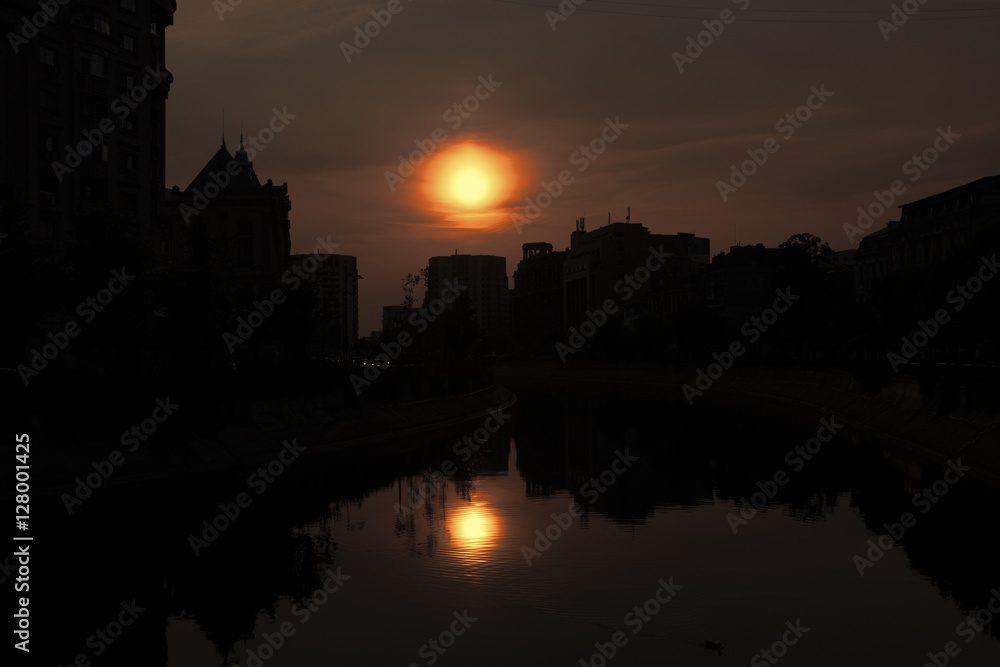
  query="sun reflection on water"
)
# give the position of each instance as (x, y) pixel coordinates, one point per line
(474, 530)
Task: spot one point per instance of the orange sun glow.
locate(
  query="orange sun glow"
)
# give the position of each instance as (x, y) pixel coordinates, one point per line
(474, 527)
(466, 183)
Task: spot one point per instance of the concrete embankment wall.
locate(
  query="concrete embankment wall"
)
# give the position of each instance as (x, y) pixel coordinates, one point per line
(249, 432)
(895, 416)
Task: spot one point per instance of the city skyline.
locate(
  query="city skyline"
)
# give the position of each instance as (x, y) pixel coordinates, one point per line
(685, 129)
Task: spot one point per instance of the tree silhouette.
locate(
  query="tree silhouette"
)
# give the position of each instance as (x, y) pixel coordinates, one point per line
(410, 283)
(814, 246)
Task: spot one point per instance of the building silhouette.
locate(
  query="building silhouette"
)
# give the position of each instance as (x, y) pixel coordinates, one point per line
(597, 260)
(336, 285)
(537, 298)
(930, 230)
(486, 279)
(741, 283)
(87, 95)
(249, 217)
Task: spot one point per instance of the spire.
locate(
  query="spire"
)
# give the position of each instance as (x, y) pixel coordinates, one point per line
(224, 127)
(241, 154)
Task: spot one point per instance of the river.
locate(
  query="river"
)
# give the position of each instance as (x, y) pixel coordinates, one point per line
(582, 530)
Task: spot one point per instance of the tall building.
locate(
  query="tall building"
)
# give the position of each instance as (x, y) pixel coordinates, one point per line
(486, 278)
(598, 259)
(929, 230)
(251, 217)
(336, 285)
(85, 113)
(537, 298)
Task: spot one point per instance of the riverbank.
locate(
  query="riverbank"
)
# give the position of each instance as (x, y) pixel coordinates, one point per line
(250, 432)
(897, 415)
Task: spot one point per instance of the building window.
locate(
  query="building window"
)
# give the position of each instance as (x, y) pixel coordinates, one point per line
(128, 42)
(244, 244)
(47, 56)
(49, 150)
(154, 29)
(128, 4)
(94, 189)
(100, 24)
(92, 64)
(128, 81)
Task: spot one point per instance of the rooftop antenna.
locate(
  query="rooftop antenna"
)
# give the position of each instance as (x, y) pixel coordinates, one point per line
(223, 127)
(734, 235)
(629, 215)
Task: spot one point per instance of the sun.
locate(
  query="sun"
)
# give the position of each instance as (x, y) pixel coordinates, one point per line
(469, 178)
(471, 187)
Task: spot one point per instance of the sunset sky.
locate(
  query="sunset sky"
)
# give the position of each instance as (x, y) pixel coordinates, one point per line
(551, 91)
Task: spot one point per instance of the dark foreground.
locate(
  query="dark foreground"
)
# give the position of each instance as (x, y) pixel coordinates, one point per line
(583, 527)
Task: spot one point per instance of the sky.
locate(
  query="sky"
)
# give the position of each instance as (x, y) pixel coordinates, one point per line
(675, 118)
